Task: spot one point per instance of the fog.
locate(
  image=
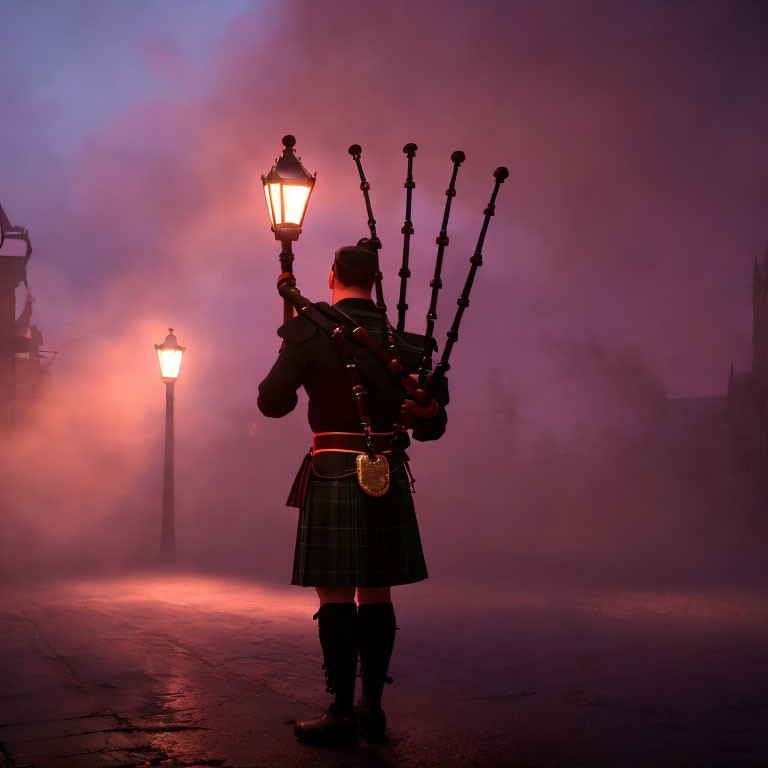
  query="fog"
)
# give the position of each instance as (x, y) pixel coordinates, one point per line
(615, 277)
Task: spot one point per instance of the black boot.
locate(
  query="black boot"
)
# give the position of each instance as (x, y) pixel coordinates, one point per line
(337, 726)
(377, 638)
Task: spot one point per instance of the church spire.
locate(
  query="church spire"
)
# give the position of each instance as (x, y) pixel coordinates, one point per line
(757, 281)
(760, 317)
(765, 262)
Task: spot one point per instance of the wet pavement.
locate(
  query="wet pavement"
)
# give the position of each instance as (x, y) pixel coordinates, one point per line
(203, 671)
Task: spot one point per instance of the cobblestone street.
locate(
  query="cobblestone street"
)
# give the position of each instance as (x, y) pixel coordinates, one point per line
(203, 671)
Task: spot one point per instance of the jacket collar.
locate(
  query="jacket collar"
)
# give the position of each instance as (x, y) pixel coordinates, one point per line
(367, 304)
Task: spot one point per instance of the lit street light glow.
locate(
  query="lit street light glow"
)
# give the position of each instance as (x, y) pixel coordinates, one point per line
(169, 354)
(287, 188)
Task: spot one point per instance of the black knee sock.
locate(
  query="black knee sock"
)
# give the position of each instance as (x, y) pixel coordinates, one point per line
(377, 638)
(338, 629)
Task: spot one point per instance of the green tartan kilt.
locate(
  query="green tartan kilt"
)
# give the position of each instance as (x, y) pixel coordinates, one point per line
(347, 538)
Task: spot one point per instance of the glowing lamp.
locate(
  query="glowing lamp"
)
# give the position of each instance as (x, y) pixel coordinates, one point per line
(287, 188)
(169, 353)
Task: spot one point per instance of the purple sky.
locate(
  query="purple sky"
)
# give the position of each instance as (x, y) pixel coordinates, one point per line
(633, 131)
(618, 268)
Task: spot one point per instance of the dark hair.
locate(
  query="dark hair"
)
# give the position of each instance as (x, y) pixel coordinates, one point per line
(355, 267)
(353, 277)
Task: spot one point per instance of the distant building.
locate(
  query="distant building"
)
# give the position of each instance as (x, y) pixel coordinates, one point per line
(23, 374)
(747, 399)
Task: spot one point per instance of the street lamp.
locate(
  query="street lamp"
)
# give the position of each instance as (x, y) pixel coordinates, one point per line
(287, 189)
(169, 354)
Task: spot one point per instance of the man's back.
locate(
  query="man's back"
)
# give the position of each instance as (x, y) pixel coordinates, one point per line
(310, 358)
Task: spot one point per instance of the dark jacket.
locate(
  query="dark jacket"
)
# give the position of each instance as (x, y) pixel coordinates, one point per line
(310, 358)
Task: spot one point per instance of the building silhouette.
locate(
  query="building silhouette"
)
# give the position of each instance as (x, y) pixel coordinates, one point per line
(23, 374)
(747, 398)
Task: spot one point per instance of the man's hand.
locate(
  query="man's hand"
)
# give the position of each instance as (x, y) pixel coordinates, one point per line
(421, 412)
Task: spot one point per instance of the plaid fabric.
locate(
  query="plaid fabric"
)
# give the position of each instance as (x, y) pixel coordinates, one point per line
(346, 538)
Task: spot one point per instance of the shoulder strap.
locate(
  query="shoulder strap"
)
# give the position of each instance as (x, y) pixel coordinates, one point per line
(286, 286)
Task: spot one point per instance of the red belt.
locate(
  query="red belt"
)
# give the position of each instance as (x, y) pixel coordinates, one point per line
(352, 442)
(343, 442)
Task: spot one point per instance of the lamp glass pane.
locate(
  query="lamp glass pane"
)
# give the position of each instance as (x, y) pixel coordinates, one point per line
(269, 204)
(276, 207)
(170, 362)
(295, 197)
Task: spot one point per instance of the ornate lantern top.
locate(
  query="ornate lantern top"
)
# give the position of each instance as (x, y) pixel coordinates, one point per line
(169, 354)
(287, 188)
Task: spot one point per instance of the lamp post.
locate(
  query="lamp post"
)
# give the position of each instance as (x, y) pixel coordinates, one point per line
(169, 354)
(287, 188)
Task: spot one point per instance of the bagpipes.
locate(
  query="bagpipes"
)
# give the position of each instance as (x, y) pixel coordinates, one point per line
(343, 329)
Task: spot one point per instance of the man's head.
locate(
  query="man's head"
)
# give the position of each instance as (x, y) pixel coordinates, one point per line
(354, 268)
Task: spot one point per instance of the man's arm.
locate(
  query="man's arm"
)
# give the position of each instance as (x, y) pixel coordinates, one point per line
(277, 393)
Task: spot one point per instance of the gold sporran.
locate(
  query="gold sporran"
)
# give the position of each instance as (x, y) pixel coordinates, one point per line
(372, 473)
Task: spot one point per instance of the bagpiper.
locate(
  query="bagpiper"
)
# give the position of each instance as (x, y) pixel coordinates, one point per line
(368, 384)
(350, 542)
